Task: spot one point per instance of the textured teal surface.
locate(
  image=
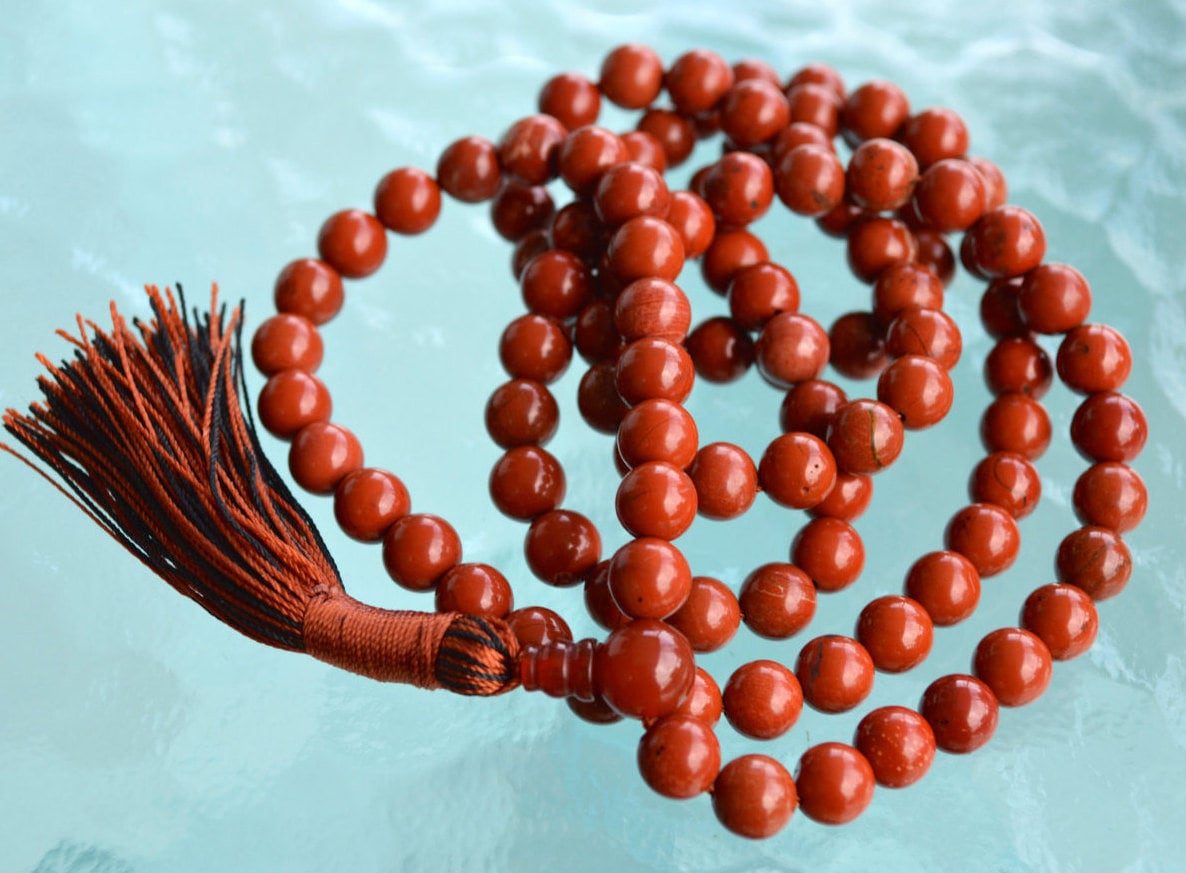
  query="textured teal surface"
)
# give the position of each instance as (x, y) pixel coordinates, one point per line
(154, 142)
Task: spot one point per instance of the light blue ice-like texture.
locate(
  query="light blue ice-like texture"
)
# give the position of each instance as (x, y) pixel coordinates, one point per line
(155, 142)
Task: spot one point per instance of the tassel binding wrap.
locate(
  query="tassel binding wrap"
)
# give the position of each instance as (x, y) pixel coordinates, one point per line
(147, 433)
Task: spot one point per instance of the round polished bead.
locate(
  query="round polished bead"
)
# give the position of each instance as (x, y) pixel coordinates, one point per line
(809, 406)
(865, 436)
(468, 170)
(644, 669)
(656, 499)
(815, 104)
(535, 347)
(292, 399)
(309, 288)
(918, 389)
(577, 229)
(875, 109)
(809, 180)
(754, 796)
(526, 482)
(600, 404)
(898, 744)
(829, 551)
(875, 244)
(819, 74)
(595, 711)
(1094, 358)
(905, 286)
(794, 135)
(631, 76)
(762, 700)
(759, 292)
(697, 81)
(321, 454)
(946, 585)
(521, 413)
(652, 307)
(791, 348)
(1096, 560)
(709, 617)
(644, 148)
(835, 783)
(996, 190)
(896, 631)
(1109, 427)
(599, 602)
(586, 154)
(703, 700)
(848, 499)
(646, 247)
(721, 350)
(407, 200)
(934, 253)
(934, 135)
(571, 99)
(418, 549)
(1054, 298)
(679, 756)
(520, 210)
(857, 345)
(675, 133)
(658, 430)
(561, 547)
(534, 243)
(529, 149)
(1015, 664)
(950, 196)
(368, 501)
(537, 626)
(1063, 617)
(1018, 364)
(751, 68)
(474, 589)
(836, 673)
(1016, 423)
(777, 600)
(556, 284)
(594, 334)
(797, 470)
(653, 368)
(753, 111)
(693, 220)
(725, 479)
(353, 242)
(998, 309)
(927, 332)
(649, 578)
(961, 711)
(739, 188)
(881, 175)
(731, 251)
(1110, 495)
(629, 190)
(1007, 480)
(984, 534)
(1006, 242)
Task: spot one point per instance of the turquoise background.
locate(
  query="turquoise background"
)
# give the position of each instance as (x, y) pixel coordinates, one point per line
(155, 142)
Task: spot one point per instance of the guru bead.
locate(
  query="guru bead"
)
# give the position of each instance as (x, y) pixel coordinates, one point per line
(643, 669)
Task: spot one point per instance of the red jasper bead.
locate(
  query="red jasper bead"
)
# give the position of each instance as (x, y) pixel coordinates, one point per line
(947, 586)
(556, 284)
(537, 626)
(777, 600)
(857, 345)
(693, 220)
(1054, 298)
(1063, 617)
(759, 292)
(526, 482)
(600, 404)
(675, 133)
(847, 500)
(658, 430)
(532, 244)
(797, 470)
(309, 288)
(816, 105)
(934, 135)
(594, 334)
(571, 99)
(649, 578)
(629, 190)
(998, 309)
(475, 589)
(353, 242)
(1015, 664)
(286, 342)
(535, 347)
(577, 229)
(468, 170)
(631, 76)
(653, 368)
(810, 180)
(950, 196)
(926, 332)
(934, 253)
(697, 81)
(739, 188)
(791, 348)
(986, 535)
(996, 191)
(875, 244)
(961, 711)
(521, 413)
(652, 307)
(703, 701)
(407, 200)
(830, 551)
(918, 388)
(646, 247)
(762, 700)
(794, 135)
(751, 68)
(865, 436)
(898, 744)
(679, 756)
(875, 109)
(368, 501)
(600, 603)
(530, 148)
(1109, 427)
(905, 286)
(720, 349)
(809, 406)
(896, 631)
(644, 148)
(881, 175)
(835, 783)
(1005, 242)
(1096, 560)
(1016, 423)
(709, 617)
(419, 549)
(321, 454)
(561, 547)
(586, 154)
(753, 111)
(519, 210)
(656, 499)
(1007, 480)
(1094, 358)
(1110, 495)
(644, 669)
(731, 251)
(595, 711)
(726, 480)
(1018, 364)
(836, 673)
(819, 74)
(754, 796)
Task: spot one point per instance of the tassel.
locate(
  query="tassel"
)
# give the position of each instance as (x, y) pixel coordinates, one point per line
(147, 432)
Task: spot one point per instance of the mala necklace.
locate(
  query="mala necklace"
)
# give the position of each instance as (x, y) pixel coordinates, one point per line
(146, 429)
